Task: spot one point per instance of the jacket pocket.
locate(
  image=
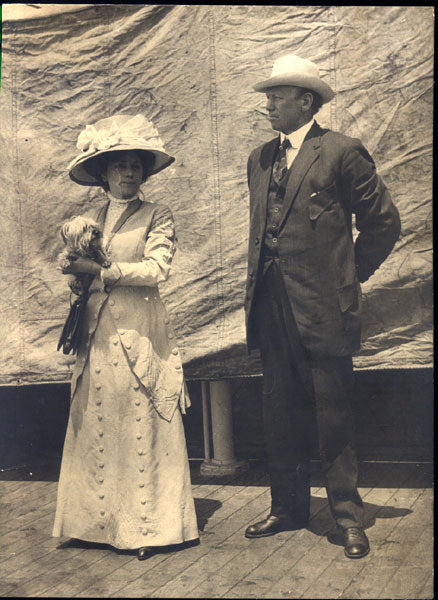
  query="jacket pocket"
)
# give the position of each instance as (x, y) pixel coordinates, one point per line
(321, 201)
(347, 296)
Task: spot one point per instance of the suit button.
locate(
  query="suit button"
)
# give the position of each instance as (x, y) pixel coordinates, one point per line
(107, 289)
(274, 240)
(276, 209)
(251, 274)
(257, 241)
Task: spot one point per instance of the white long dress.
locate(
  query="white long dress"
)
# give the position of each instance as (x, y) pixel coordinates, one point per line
(125, 477)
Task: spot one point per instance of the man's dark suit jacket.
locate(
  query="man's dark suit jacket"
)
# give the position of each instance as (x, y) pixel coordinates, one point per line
(332, 177)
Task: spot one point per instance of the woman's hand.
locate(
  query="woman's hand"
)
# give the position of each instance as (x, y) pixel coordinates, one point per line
(81, 265)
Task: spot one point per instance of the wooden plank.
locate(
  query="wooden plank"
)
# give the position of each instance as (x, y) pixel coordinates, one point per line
(62, 586)
(277, 568)
(314, 575)
(194, 561)
(421, 554)
(428, 590)
(406, 583)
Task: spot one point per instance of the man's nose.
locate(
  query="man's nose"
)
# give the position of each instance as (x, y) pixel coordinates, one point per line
(269, 105)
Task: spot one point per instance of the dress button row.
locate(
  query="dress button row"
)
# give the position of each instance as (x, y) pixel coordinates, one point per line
(101, 465)
(102, 526)
(115, 342)
(138, 418)
(100, 480)
(97, 369)
(99, 418)
(100, 433)
(137, 403)
(115, 362)
(141, 469)
(143, 500)
(98, 386)
(102, 512)
(135, 386)
(98, 402)
(138, 436)
(101, 496)
(140, 452)
(100, 448)
(141, 485)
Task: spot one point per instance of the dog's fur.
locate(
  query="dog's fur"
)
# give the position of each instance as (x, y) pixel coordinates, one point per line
(83, 238)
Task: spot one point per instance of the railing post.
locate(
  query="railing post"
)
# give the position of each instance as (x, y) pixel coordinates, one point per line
(224, 461)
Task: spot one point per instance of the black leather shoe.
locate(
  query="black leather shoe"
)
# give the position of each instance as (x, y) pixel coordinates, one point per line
(145, 552)
(272, 525)
(356, 544)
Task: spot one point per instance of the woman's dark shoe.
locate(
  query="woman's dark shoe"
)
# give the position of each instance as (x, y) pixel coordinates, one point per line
(356, 544)
(272, 525)
(145, 552)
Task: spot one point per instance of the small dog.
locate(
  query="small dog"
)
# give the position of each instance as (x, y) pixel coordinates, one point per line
(83, 238)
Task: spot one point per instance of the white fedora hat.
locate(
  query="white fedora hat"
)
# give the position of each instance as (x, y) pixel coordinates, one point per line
(293, 70)
(119, 132)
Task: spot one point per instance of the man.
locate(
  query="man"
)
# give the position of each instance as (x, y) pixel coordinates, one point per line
(303, 297)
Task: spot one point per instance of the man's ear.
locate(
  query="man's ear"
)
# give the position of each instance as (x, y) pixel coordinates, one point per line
(307, 101)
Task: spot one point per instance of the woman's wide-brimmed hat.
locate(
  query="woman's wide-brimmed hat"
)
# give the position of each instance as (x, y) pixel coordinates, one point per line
(293, 70)
(119, 132)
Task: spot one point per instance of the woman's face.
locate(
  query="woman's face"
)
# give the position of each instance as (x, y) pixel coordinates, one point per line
(124, 174)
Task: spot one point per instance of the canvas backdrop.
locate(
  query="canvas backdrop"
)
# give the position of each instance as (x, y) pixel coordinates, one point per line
(191, 69)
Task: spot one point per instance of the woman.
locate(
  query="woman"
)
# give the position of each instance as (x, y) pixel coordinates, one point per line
(125, 477)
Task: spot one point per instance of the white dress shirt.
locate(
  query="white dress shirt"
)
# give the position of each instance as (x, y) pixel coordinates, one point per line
(296, 139)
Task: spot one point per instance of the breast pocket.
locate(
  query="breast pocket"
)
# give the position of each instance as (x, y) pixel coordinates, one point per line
(322, 201)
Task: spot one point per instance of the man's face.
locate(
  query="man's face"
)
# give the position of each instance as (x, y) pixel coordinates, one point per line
(285, 110)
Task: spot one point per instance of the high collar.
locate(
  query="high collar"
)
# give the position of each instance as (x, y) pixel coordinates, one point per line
(122, 201)
(296, 138)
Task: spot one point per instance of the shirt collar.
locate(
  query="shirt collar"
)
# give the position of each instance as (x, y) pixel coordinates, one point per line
(296, 138)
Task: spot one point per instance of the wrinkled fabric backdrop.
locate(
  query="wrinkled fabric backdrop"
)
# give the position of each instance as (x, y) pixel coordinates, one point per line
(190, 69)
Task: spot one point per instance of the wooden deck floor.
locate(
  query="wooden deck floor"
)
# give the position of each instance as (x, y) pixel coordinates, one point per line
(295, 564)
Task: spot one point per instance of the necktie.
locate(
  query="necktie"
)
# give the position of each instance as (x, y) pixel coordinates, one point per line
(280, 165)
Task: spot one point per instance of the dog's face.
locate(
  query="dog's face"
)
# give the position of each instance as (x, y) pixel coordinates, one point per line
(81, 234)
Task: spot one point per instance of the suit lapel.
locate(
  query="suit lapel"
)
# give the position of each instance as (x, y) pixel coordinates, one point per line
(264, 177)
(306, 156)
(129, 211)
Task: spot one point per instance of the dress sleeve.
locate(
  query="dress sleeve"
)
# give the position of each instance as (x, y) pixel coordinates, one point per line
(158, 252)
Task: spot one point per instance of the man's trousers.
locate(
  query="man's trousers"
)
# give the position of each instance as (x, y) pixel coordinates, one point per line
(299, 389)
